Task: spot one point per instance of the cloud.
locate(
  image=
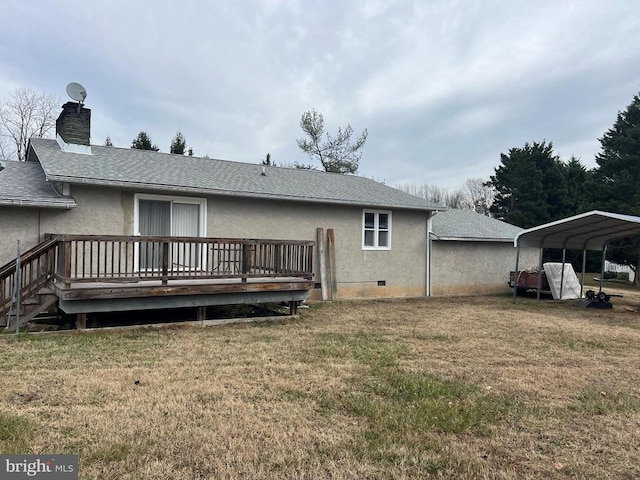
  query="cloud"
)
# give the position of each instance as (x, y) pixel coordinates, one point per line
(442, 87)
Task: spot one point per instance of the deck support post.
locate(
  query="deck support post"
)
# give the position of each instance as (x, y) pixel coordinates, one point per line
(165, 262)
(324, 284)
(293, 307)
(201, 315)
(331, 247)
(247, 259)
(81, 321)
(67, 262)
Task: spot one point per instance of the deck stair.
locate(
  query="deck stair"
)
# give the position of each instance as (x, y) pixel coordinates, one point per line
(31, 308)
(23, 285)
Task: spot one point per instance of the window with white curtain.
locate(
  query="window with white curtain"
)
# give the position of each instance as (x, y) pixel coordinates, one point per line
(170, 216)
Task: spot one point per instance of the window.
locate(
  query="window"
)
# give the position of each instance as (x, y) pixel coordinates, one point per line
(376, 230)
(170, 216)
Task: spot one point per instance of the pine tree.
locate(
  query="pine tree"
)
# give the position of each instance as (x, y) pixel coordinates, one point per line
(617, 176)
(530, 186)
(616, 180)
(143, 142)
(178, 144)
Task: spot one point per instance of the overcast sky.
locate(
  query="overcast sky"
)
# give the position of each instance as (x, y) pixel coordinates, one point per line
(443, 87)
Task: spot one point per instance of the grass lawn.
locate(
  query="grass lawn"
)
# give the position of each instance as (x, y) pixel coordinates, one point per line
(430, 388)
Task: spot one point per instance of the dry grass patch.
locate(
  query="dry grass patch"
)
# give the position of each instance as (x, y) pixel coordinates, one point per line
(446, 388)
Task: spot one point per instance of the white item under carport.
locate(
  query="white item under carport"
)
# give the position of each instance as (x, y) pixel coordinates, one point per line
(571, 286)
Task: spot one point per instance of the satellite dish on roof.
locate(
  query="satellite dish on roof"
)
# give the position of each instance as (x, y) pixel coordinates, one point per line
(76, 92)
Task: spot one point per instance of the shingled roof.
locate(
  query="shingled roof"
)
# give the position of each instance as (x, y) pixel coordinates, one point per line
(24, 184)
(147, 170)
(466, 225)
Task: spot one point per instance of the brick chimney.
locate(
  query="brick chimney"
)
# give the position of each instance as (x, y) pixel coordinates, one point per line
(74, 124)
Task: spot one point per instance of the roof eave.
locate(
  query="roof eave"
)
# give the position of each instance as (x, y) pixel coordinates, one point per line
(27, 202)
(473, 239)
(229, 193)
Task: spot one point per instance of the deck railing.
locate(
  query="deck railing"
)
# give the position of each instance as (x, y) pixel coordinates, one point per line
(109, 258)
(105, 258)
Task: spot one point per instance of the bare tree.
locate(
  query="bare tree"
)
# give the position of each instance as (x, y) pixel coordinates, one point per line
(335, 154)
(5, 148)
(429, 192)
(479, 196)
(25, 114)
(474, 195)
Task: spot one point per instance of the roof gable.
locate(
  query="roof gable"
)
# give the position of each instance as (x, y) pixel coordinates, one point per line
(147, 170)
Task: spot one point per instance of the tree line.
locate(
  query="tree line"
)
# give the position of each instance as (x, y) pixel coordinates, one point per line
(534, 186)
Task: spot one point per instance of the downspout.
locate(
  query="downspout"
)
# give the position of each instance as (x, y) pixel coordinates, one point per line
(427, 269)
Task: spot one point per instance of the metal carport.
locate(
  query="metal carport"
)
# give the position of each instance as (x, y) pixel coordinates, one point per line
(587, 231)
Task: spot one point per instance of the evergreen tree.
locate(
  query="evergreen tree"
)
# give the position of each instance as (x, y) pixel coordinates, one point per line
(617, 176)
(616, 180)
(577, 178)
(108, 142)
(178, 144)
(143, 142)
(267, 161)
(530, 186)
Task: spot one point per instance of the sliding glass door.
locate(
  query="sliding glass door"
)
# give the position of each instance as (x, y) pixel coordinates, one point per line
(169, 218)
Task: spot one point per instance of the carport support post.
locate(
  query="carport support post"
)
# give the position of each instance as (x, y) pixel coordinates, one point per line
(540, 272)
(515, 276)
(564, 257)
(604, 256)
(584, 266)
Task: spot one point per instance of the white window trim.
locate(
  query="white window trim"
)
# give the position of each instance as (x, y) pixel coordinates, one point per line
(202, 227)
(376, 229)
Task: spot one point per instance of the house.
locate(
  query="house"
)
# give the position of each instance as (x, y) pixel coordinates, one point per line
(473, 254)
(117, 214)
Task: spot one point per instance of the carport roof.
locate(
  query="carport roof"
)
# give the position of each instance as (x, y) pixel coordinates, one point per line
(587, 231)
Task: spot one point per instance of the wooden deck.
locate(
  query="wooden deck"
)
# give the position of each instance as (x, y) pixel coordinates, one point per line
(91, 274)
(153, 294)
